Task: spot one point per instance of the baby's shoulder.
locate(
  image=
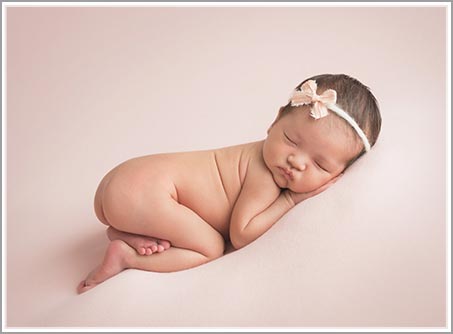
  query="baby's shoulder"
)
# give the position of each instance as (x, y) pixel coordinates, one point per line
(257, 172)
(236, 159)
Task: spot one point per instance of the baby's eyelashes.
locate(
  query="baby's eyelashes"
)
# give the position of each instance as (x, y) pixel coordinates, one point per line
(288, 139)
(321, 167)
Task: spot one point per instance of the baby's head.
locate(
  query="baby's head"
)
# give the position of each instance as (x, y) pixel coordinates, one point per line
(329, 122)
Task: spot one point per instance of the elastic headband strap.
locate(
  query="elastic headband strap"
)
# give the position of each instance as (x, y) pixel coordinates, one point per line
(343, 114)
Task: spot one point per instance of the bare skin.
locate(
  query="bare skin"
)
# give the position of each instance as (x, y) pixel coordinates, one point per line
(181, 208)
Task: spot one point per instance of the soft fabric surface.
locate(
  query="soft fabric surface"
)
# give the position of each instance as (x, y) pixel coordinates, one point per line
(88, 88)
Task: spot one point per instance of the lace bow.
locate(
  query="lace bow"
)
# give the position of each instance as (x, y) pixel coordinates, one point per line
(320, 103)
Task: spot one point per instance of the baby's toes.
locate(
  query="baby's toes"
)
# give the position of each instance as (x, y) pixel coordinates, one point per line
(142, 250)
(149, 242)
(165, 244)
(81, 287)
(160, 248)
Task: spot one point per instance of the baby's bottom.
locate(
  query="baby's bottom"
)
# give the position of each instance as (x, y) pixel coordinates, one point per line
(151, 212)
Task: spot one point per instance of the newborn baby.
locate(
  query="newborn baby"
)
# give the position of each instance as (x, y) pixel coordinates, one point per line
(171, 212)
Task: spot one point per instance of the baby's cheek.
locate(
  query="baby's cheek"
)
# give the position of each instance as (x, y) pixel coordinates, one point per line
(306, 185)
(301, 188)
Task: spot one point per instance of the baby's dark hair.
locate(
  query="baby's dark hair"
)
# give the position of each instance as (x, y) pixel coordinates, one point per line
(353, 97)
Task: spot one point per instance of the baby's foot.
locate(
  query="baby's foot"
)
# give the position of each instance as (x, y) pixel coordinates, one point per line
(142, 244)
(115, 261)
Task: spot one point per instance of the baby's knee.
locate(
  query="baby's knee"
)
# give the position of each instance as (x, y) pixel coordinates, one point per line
(215, 248)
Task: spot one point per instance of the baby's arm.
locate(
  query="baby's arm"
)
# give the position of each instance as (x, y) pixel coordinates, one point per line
(260, 205)
(296, 198)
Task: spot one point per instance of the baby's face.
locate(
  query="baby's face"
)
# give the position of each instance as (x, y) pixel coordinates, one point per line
(303, 153)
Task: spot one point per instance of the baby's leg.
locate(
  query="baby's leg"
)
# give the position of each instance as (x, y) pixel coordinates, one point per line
(155, 213)
(144, 245)
(120, 256)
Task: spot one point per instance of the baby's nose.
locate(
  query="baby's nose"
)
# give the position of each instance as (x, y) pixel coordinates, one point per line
(297, 163)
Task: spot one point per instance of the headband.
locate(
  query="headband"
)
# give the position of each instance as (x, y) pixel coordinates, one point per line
(320, 104)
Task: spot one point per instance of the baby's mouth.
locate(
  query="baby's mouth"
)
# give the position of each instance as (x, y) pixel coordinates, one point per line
(286, 173)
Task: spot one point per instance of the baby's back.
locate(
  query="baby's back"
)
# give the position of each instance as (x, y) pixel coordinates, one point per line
(209, 182)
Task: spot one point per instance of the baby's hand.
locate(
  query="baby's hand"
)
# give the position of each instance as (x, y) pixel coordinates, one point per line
(296, 198)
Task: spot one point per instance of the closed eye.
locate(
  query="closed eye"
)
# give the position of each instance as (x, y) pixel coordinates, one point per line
(321, 167)
(289, 139)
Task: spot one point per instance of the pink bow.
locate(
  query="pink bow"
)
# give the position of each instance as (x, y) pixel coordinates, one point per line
(307, 95)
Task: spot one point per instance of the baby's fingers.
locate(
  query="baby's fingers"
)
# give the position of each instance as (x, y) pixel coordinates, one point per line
(325, 186)
(299, 197)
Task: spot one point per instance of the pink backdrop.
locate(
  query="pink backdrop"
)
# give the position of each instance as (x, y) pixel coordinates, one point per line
(88, 88)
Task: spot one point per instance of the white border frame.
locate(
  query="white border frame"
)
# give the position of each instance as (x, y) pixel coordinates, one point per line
(5, 5)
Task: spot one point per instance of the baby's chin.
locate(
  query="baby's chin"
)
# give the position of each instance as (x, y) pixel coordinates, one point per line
(281, 183)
